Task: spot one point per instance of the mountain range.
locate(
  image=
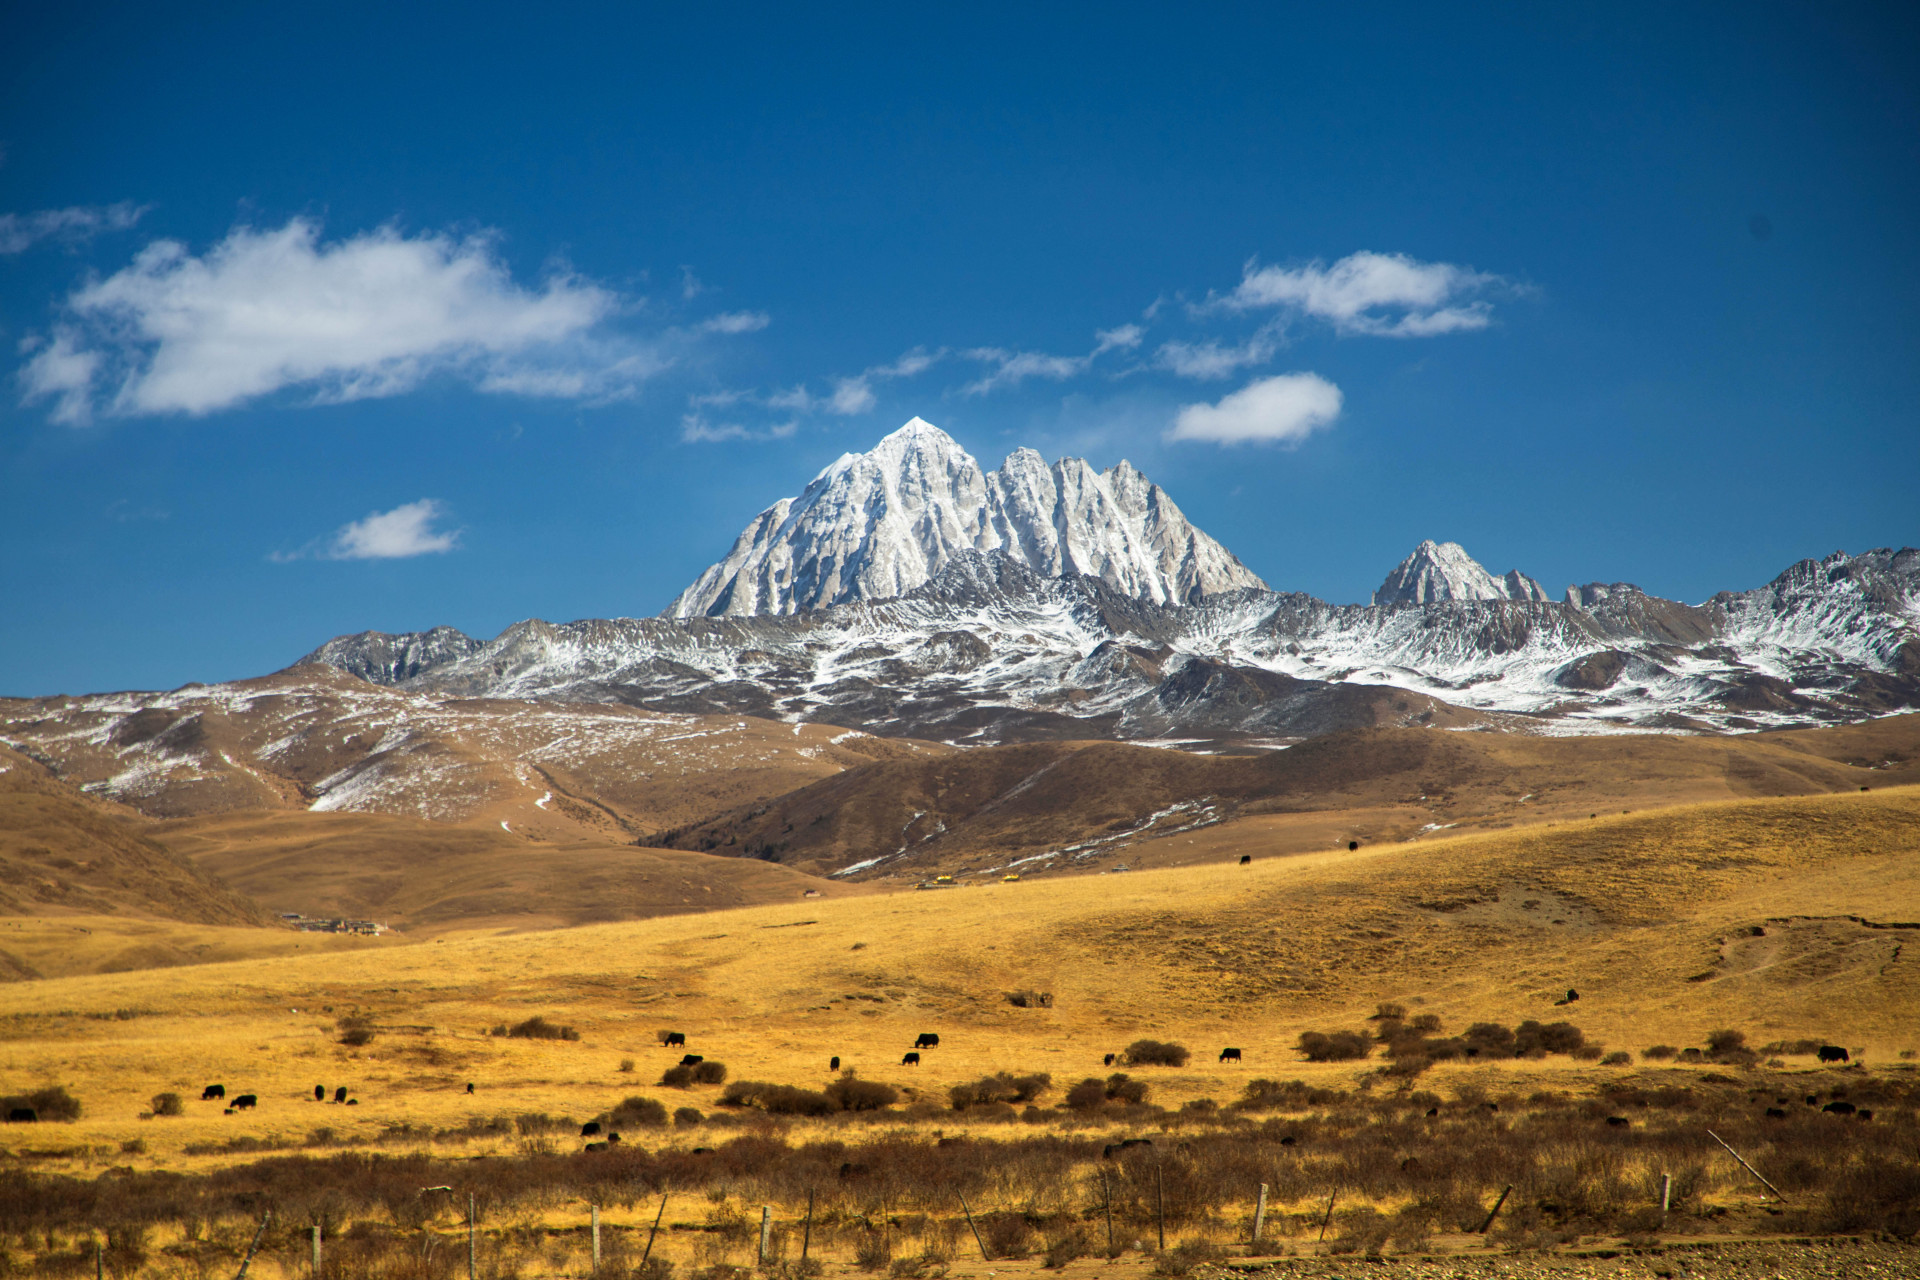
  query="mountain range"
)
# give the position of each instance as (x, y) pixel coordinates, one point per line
(908, 592)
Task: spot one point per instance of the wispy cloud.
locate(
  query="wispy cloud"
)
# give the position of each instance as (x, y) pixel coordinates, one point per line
(696, 429)
(1210, 359)
(1380, 294)
(21, 231)
(1284, 409)
(407, 530)
(736, 322)
(372, 315)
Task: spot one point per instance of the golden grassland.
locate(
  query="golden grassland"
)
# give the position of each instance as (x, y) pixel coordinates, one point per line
(1759, 915)
(1770, 916)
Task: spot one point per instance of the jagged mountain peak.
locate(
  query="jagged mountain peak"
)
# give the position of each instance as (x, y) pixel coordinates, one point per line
(876, 525)
(1444, 571)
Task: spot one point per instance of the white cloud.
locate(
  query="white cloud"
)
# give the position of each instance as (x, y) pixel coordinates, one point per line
(1211, 360)
(1383, 294)
(405, 531)
(736, 322)
(1011, 368)
(368, 316)
(1124, 338)
(695, 429)
(1284, 409)
(20, 232)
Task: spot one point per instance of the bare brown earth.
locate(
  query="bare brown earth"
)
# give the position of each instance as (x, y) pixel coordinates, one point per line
(1096, 805)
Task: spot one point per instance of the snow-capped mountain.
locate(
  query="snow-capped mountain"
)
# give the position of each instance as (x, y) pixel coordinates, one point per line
(876, 525)
(1444, 571)
(989, 651)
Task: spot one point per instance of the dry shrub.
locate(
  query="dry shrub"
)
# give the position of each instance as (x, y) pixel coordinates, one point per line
(1186, 1255)
(873, 1252)
(850, 1093)
(686, 1075)
(1294, 1095)
(1069, 1246)
(1618, 1058)
(54, 1103)
(1362, 1230)
(778, 1099)
(686, 1117)
(1155, 1053)
(1658, 1052)
(355, 1030)
(1335, 1046)
(1028, 999)
(1800, 1048)
(635, 1112)
(536, 1028)
(1003, 1087)
(1007, 1235)
(167, 1104)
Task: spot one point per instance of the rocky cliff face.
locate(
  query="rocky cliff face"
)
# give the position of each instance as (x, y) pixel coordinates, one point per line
(877, 525)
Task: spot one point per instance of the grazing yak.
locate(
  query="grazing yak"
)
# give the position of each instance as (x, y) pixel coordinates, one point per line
(1839, 1108)
(1833, 1053)
(911, 1060)
(1113, 1149)
(23, 1115)
(245, 1102)
(1775, 1113)
(691, 1059)
(1245, 858)
(1229, 1055)
(469, 1086)
(590, 1129)
(833, 1064)
(927, 1040)
(1619, 1122)
(1109, 1059)
(319, 1093)
(340, 1094)
(213, 1091)
(670, 1039)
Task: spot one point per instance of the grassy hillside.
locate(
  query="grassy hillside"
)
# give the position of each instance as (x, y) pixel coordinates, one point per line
(1092, 805)
(1775, 917)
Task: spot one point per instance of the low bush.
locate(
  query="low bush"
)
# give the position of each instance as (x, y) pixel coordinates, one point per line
(1618, 1058)
(355, 1030)
(167, 1104)
(1002, 1087)
(1155, 1053)
(1294, 1095)
(686, 1117)
(48, 1104)
(1027, 999)
(1188, 1254)
(536, 1028)
(685, 1076)
(635, 1112)
(1730, 1046)
(1090, 1093)
(1335, 1046)
(873, 1252)
(1007, 1235)
(1658, 1052)
(850, 1093)
(1797, 1048)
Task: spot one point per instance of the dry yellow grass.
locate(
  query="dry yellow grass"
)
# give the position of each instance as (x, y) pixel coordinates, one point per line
(1628, 910)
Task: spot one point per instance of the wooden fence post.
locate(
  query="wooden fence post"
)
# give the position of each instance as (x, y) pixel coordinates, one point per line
(473, 1263)
(806, 1232)
(1106, 1198)
(1329, 1214)
(1496, 1209)
(1744, 1165)
(1666, 1194)
(648, 1252)
(247, 1261)
(1160, 1203)
(99, 1259)
(766, 1230)
(316, 1251)
(1260, 1214)
(596, 1238)
(968, 1210)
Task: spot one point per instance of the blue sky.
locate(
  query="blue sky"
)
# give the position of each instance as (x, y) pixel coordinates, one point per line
(378, 319)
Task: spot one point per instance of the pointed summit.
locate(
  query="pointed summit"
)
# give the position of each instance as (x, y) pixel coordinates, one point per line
(876, 525)
(1444, 571)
